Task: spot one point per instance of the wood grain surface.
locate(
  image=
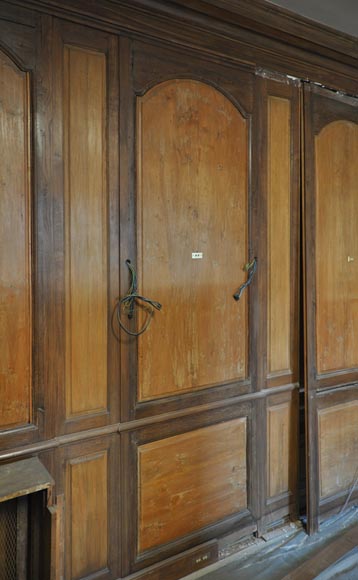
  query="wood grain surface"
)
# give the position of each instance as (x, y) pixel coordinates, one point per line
(338, 447)
(86, 230)
(337, 246)
(15, 247)
(87, 515)
(279, 234)
(192, 197)
(191, 480)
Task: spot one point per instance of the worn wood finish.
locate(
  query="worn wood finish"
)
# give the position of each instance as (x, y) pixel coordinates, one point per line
(154, 437)
(218, 45)
(87, 474)
(336, 151)
(279, 235)
(22, 478)
(330, 132)
(338, 447)
(191, 480)
(192, 193)
(279, 134)
(257, 33)
(15, 247)
(86, 230)
(87, 515)
(276, 178)
(85, 101)
(282, 444)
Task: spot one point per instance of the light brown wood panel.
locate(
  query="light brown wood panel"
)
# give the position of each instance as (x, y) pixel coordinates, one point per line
(86, 230)
(15, 247)
(338, 447)
(86, 515)
(282, 440)
(336, 149)
(192, 197)
(191, 480)
(279, 235)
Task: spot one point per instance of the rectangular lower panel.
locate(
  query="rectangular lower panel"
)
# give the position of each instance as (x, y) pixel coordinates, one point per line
(282, 454)
(191, 480)
(338, 447)
(87, 515)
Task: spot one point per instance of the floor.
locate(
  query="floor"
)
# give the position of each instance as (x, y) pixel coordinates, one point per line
(290, 554)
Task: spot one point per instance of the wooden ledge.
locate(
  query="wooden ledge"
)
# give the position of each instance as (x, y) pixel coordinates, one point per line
(22, 478)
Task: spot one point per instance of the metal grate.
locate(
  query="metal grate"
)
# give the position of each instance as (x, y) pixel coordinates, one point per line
(8, 540)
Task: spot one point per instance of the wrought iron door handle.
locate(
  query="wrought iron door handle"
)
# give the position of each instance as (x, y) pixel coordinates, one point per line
(129, 301)
(251, 268)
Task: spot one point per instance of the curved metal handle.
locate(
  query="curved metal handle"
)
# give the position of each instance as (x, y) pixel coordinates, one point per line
(251, 268)
(128, 302)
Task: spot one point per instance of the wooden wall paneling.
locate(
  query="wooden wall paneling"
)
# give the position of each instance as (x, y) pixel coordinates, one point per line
(272, 180)
(17, 49)
(15, 247)
(91, 487)
(48, 242)
(191, 480)
(338, 442)
(85, 119)
(127, 220)
(283, 239)
(18, 30)
(325, 112)
(166, 475)
(282, 453)
(150, 65)
(192, 151)
(336, 246)
(255, 33)
(89, 124)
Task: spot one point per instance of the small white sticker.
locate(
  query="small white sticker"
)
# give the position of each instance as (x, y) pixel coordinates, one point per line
(197, 255)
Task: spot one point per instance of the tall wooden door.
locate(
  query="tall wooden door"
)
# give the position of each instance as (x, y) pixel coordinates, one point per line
(188, 231)
(331, 209)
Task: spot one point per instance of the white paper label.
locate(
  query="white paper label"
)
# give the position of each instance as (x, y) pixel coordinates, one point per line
(197, 255)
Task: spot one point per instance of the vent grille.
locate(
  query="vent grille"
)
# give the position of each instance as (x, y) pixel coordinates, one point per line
(8, 540)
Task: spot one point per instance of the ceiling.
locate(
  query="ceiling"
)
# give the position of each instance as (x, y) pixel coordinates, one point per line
(339, 14)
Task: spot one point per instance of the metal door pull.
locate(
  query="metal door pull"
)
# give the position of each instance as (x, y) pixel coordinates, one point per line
(251, 268)
(128, 304)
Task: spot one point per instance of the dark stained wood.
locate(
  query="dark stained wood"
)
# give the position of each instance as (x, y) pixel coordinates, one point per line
(282, 441)
(325, 110)
(22, 478)
(89, 480)
(282, 93)
(260, 33)
(242, 52)
(182, 565)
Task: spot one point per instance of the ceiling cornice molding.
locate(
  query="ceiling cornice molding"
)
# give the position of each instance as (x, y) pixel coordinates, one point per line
(240, 29)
